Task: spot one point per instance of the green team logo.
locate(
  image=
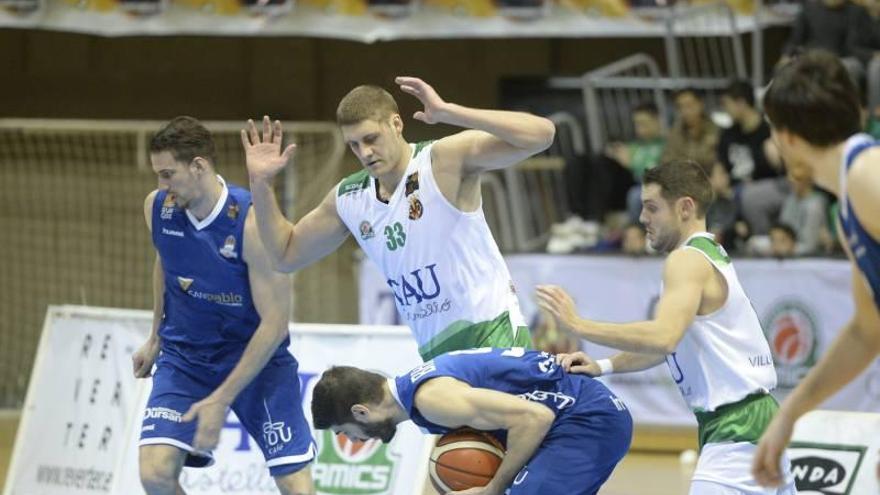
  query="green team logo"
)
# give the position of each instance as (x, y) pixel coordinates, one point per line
(791, 331)
(347, 467)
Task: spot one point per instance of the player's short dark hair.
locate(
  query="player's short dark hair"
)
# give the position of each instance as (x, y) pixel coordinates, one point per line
(186, 138)
(647, 107)
(339, 388)
(683, 178)
(814, 97)
(742, 90)
(365, 103)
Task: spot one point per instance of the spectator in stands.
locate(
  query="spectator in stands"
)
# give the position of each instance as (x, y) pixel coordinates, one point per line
(782, 241)
(752, 159)
(641, 154)
(633, 241)
(832, 25)
(723, 218)
(745, 148)
(608, 181)
(694, 136)
(805, 210)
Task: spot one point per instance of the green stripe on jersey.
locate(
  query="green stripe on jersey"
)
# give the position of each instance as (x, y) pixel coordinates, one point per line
(742, 421)
(712, 249)
(420, 146)
(354, 182)
(463, 335)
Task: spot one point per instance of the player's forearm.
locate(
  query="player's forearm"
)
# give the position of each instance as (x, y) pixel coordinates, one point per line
(524, 437)
(519, 129)
(276, 232)
(849, 355)
(626, 362)
(259, 350)
(158, 299)
(646, 337)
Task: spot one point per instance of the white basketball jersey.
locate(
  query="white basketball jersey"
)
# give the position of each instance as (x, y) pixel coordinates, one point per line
(450, 283)
(724, 356)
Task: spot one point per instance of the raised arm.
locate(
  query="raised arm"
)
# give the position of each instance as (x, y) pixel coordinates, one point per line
(684, 275)
(289, 246)
(451, 403)
(495, 139)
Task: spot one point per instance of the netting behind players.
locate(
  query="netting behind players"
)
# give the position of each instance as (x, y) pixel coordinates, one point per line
(71, 217)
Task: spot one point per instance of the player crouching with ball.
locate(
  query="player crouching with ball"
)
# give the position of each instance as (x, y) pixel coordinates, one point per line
(564, 433)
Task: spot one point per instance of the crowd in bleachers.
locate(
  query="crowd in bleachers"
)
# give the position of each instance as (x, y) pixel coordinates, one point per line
(761, 209)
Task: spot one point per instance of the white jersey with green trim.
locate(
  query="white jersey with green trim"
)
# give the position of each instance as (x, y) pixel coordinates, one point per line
(723, 356)
(443, 265)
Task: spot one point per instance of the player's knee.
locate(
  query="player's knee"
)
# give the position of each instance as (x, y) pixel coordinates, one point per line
(158, 475)
(296, 483)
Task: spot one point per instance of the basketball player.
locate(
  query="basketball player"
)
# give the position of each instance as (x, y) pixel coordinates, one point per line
(219, 336)
(705, 329)
(415, 209)
(564, 433)
(815, 119)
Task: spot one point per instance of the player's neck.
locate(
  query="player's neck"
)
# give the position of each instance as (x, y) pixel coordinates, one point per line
(389, 181)
(391, 405)
(204, 205)
(826, 166)
(695, 227)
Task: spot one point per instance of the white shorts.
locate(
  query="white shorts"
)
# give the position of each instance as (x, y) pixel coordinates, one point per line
(726, 469)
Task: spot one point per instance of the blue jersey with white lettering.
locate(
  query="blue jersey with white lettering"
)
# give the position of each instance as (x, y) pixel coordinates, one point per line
(532, 375)
(864, 248)
(209, 313)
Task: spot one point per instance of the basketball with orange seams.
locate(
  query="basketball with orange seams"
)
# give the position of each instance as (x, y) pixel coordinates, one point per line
(463, 459)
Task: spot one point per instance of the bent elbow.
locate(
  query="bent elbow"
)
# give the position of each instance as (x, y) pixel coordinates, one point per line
(548, 135)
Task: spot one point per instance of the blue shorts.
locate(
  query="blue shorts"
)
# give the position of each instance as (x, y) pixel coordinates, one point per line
(579, 452)
(270, 409)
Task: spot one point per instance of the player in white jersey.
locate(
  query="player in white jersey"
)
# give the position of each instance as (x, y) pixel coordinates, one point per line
(415, 210)
(815, 118)
(704, 328)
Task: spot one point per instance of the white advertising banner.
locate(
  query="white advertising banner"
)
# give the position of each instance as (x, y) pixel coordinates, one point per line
(802, 305)
(836, 453)
(87, 463)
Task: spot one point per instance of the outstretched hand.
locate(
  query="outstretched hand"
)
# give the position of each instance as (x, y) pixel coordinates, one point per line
(558, 303)
(263, 153)
(435, 107)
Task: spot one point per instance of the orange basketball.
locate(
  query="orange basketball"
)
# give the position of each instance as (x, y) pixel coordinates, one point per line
(464, 459)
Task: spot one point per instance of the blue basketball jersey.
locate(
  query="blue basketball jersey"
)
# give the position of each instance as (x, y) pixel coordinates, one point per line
(209, 313)
(532, 375)
(864, 248)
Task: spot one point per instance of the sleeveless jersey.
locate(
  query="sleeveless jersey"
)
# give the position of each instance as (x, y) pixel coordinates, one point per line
(532, 375)
(864, 248)
(209, 314)
(724, 356)
(450, 283)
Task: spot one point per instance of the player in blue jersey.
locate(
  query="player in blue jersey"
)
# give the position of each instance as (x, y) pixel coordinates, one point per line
(564, 433)
(815, 117)
(219, 338)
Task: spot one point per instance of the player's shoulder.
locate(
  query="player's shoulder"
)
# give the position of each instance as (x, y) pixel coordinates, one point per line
(150, 199)
(690, 261)
(702, 247)
(358, 181)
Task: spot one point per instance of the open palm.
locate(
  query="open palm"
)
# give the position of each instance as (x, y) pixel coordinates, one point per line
(434, 105)
(263, 153)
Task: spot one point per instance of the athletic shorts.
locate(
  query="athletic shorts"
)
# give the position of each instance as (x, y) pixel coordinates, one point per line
(269, 408)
